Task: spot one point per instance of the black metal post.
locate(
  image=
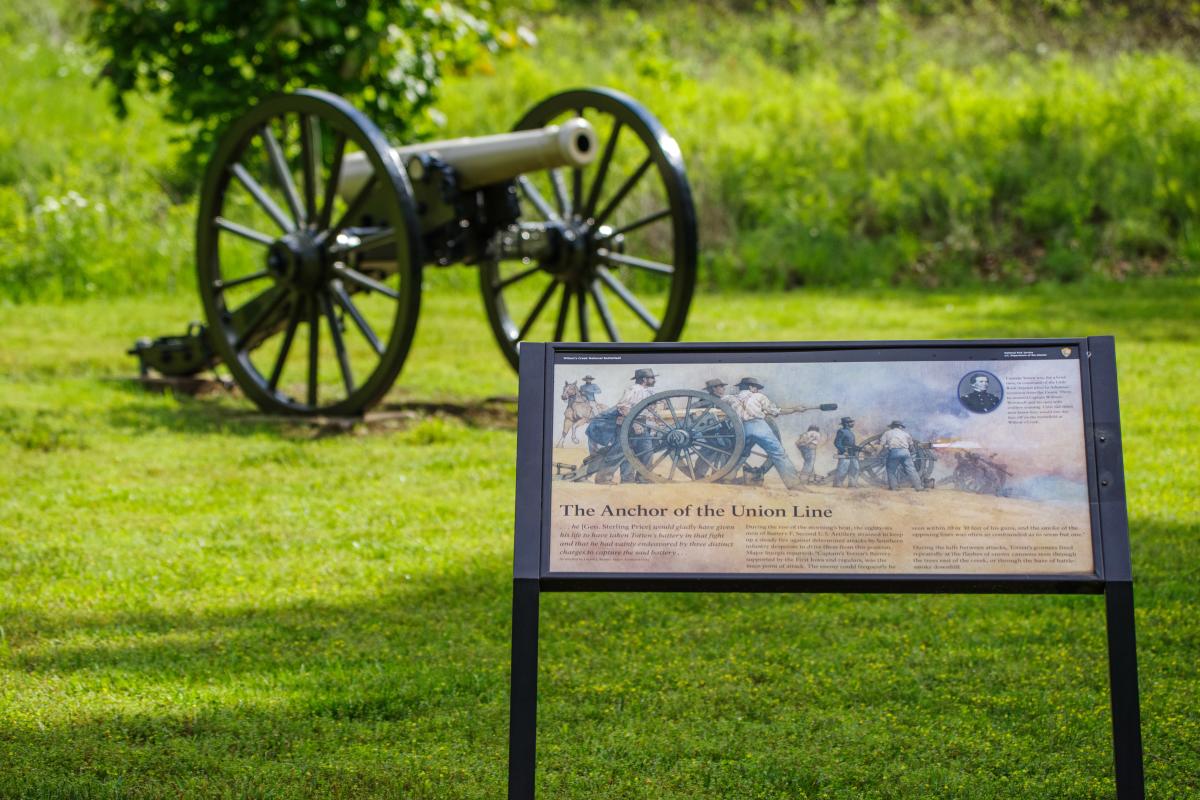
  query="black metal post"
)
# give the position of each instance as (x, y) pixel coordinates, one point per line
(522, 724)
(1122, 675)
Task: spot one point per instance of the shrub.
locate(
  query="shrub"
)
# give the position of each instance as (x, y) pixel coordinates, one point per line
(212, 59)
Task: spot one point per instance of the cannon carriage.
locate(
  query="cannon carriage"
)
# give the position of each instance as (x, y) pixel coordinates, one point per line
(313, 233)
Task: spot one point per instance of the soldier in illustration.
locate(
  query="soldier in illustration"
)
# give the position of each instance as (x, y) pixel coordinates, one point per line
(807, 445)
(602, 430)
(979, 400)
(589, 391)
(847, 455)
(899, 445)
(754, 407)
(715, 386)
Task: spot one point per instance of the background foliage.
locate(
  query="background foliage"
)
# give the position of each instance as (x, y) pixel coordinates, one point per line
(932, 143)
(212, 59)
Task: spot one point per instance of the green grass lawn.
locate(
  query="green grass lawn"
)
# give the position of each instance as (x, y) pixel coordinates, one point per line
(195, 602)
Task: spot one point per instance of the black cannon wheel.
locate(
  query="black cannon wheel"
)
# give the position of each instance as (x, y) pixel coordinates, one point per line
(682, 434)
(630, 269)
(282, 257)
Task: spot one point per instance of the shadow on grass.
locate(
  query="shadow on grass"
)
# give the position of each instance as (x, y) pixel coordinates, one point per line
(1148, 310)
(225, 415)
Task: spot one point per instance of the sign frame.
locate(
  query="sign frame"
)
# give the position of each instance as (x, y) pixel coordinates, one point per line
(1112, 575)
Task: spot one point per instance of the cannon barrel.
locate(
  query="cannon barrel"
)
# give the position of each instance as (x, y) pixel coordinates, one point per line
(483, 160)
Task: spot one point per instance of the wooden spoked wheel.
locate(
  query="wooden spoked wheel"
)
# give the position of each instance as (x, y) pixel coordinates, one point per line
(311, 297)
(626, 268)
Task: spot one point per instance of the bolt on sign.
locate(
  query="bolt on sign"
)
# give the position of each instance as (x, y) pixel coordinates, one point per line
(965, 466)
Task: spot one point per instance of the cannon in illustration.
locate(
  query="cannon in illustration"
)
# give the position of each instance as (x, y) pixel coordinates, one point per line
(979, 474)
(685, 435)
(314, 230)
(872, 460)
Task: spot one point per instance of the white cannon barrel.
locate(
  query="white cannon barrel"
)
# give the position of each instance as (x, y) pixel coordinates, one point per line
(482, 160)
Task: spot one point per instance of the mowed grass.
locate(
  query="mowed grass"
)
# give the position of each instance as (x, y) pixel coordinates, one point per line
(195, 602)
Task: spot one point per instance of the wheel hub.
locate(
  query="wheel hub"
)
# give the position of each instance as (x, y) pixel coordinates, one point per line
(679, 439)
(298, 260)
(575, 257)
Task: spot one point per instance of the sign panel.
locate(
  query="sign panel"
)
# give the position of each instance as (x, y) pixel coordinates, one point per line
(978, 466)
(916, 460)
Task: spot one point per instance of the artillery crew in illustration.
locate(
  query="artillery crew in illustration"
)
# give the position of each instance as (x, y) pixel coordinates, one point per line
(807, 445)
(979, 400)
(898, 444)
(846, 445)
(654, 435)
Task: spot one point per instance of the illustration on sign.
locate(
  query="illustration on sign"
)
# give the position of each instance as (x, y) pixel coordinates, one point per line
(926, 466)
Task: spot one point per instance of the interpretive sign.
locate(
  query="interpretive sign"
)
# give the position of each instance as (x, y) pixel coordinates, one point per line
(860, 466)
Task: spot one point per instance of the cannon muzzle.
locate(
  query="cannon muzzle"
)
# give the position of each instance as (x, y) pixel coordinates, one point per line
(483, 160)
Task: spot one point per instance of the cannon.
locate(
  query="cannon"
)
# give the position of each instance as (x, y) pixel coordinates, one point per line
(684, 435)
(872, 461)
(979, 474)
(313, 233)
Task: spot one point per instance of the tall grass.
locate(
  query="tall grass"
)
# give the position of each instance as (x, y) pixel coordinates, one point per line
(871, 150)
(87, 203)
(837, 146)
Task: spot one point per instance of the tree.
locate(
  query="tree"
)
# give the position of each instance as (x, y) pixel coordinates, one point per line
(212, 59)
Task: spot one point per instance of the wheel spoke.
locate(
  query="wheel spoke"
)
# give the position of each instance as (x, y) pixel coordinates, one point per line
(602, 169)
(560, 193)
(343, 300)
(581, 302)
(674, 416)
(261, 197)
(335, 174)
(666, 426)
(641, 223)
(268, 308)
(564, 308)
(222, 285)
(610, 326)
(625, 189)
(537, 309)
(711, 465)
(660, 459)
(362, 281)
(369, 242)
(715, 449)
(339, 346)
(627, 297)
(612, 258)
(243, 231)
(353, 210)
(536, 198)
(281, 359)
(283, 175)
(695, 426)
(314, 349)
(310, 149)
(674, 466)
(511, 279)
